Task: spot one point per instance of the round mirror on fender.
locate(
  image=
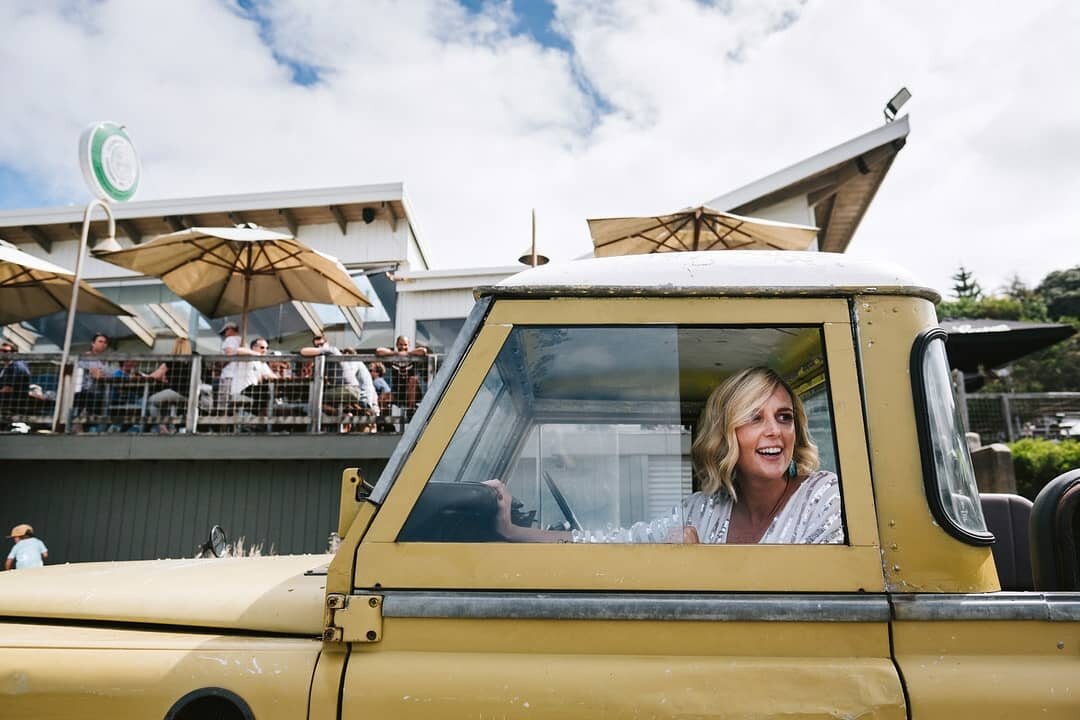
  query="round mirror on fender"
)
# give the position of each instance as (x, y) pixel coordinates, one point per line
(218, 542)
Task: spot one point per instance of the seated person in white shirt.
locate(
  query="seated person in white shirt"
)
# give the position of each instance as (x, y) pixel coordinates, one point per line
(248, 374)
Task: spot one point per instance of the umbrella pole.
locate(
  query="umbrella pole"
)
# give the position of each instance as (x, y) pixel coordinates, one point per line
(61, 385)
(243, 314)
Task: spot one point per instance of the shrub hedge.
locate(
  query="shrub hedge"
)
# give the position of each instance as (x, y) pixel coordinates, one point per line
(1037, 462)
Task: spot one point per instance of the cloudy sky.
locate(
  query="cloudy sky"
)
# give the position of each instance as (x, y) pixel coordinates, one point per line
(578, 108)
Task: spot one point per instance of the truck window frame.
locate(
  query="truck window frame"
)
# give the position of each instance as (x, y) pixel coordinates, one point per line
(382, 562)
(932, 481)
(517, 405)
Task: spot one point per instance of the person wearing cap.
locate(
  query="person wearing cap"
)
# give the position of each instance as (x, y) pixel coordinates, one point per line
(28, 551)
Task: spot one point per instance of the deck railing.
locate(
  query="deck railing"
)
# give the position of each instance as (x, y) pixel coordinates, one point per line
(1004, 417)
(168, 394)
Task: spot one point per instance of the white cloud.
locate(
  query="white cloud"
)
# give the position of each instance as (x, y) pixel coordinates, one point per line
(482, 124)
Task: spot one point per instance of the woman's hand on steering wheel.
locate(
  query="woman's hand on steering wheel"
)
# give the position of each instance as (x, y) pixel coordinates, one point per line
(503, 524)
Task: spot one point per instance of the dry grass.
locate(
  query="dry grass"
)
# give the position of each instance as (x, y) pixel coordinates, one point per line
(239, 548)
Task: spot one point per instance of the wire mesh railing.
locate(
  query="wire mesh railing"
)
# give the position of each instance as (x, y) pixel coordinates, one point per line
(169, 394)
(1005, 417)
(27, 391)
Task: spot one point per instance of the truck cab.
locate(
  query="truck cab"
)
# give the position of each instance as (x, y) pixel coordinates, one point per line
(581, 387)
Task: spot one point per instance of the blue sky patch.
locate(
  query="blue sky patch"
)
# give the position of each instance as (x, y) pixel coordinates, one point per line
(19, 190)
(534, 19)
(304, 74)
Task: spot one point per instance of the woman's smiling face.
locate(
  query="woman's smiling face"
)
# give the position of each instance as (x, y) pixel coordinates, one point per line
(767, 441)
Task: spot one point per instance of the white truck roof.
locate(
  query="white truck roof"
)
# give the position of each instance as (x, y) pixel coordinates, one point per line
(731, 272)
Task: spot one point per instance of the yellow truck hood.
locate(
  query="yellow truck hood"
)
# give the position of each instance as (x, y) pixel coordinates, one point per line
(266, 594)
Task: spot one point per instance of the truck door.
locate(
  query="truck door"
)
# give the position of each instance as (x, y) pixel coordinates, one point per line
(964, 647)
(586, 409)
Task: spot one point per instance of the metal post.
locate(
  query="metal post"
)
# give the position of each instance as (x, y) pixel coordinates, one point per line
(73, 307)
(532, 251)
(1006, 410)
(961, 398)
(193, 394)
(316, 394)
(243, 316)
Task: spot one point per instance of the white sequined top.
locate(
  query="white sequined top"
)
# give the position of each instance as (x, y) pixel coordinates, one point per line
(811, 515)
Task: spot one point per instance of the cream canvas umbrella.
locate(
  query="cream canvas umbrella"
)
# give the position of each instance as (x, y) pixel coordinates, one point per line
(31, 287)
(230, 270)
(700, 228)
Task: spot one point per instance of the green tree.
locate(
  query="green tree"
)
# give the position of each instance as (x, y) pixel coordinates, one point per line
(1032, 304)
(1055, 369)
(1061, 292)
(966, 287)
(991, 308)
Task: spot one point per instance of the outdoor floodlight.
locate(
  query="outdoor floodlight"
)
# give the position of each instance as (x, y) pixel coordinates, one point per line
(893, 106)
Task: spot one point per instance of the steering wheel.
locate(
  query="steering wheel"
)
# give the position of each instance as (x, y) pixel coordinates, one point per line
(560, 500)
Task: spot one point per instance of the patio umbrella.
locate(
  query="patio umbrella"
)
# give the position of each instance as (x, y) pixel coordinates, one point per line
(31, 287)
(229, 270)
(699, 228)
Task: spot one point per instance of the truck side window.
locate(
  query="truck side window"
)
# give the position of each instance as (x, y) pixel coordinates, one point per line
(591, 426)
(947, 470)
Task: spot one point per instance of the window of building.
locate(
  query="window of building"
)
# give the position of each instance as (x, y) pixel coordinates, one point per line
(438, 335)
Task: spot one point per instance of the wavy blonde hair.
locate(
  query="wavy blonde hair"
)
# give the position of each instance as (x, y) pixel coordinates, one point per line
(730, 406)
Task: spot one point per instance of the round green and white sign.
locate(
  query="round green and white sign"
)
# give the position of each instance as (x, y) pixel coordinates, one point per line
(109, 162)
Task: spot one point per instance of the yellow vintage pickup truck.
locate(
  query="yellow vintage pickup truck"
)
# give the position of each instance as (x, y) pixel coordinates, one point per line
(581, 387)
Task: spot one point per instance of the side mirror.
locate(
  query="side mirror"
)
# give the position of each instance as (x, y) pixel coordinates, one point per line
(216, 544)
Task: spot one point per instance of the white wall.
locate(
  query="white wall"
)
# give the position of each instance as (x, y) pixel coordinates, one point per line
(432, 305)
(794, 210)
(362, 243)
(440, 294)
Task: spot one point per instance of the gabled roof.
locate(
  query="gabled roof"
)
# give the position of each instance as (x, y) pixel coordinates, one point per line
(839, 184)
(145, 219)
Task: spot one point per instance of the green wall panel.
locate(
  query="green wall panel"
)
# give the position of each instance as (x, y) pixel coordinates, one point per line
(91, 510)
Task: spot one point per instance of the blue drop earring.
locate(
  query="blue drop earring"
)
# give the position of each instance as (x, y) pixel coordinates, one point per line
(792, 469)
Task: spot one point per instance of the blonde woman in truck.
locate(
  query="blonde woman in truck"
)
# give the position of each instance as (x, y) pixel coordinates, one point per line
(757, 469)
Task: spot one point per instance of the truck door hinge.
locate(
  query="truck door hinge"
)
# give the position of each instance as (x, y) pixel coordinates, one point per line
(353, 618)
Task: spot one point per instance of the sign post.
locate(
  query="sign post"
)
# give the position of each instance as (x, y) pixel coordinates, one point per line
(110, 167)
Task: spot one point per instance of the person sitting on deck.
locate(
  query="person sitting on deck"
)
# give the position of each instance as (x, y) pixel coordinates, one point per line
(404, 378)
